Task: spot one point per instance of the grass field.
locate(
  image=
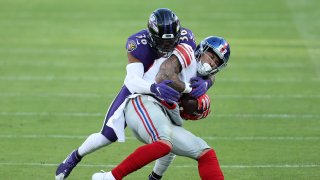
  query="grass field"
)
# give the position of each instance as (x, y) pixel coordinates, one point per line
(62, 62)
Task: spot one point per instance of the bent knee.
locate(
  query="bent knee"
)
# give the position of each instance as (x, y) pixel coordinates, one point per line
(204, 152)
(166, 142)
(109, 133)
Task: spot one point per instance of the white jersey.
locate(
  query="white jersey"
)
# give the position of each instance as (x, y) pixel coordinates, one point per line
(185, 54)
(187, 61)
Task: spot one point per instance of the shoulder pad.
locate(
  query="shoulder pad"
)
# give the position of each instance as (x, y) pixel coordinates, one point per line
(184, 53)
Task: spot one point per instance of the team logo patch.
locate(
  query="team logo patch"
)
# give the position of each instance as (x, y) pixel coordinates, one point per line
(131, 46)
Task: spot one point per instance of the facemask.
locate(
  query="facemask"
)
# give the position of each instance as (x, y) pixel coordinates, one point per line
(205, 69)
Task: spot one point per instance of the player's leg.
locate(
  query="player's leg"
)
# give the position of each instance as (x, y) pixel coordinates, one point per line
(97, 140)
(208, 166)
(184, 144)
(150, 124)
(187, 144)
(92, 143)
(161, 166)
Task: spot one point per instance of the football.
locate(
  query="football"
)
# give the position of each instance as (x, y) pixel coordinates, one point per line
(188, 104)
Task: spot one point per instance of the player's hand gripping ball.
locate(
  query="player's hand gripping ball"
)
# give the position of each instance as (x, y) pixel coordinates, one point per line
(194, 108)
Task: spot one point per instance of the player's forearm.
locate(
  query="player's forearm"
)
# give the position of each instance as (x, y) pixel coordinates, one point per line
(176, 83)
(169, 70)
(134, 81)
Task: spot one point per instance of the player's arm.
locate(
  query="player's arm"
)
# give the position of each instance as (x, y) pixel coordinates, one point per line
(132, 59)
(211, 78)
(134, 81)
(171, 68)
(136, 84)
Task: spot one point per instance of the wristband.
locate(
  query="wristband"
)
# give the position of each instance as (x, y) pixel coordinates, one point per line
(187, 88)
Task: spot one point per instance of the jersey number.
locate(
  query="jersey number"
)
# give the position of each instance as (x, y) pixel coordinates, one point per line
(142, 39)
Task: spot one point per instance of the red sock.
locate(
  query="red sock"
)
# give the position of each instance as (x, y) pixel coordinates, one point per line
(208, 166)
(139, 158)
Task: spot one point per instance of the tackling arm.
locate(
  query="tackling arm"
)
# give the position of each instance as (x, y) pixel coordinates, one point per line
(134, 81)
(136, 84)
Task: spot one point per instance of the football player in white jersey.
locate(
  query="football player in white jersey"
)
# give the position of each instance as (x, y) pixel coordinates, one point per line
(158, 124)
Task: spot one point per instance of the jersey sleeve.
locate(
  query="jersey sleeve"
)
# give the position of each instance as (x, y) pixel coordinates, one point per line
(187, 37)
(136, 48)
(139, 47)
(185, 54)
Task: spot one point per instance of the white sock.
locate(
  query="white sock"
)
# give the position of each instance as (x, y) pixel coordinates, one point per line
(93, 142)
(110, 176)
(103, 176)
(163, 163)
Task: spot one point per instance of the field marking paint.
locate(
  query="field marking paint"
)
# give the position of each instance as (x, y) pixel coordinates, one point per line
(97, 95)
(121, 64)
(119, 78)
(282, 116)
(78, 95)
(243, 138)
(79, 114)
(301, 20)
(174, 166)
(76, 114)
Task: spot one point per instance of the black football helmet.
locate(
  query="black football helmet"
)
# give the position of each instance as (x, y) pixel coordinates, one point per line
(164, 30)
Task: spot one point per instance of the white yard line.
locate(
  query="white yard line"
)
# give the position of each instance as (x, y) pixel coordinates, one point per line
(80, 114)
(243, 138)
(78, 95)
(76, 114)
(120, 78)
(301, 20)
(174, 166)
(97, 95)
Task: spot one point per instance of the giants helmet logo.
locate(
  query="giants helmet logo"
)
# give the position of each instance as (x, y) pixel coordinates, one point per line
(223, 48)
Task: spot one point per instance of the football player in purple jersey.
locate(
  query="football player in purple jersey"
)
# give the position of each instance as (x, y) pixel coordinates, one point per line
(163, 34)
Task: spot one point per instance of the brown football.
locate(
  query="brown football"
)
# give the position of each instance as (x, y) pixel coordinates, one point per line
(188, 104)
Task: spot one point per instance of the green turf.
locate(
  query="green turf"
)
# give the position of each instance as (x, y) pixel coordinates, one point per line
(62, 62)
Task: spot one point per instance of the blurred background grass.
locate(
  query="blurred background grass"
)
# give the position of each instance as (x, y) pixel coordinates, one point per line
(62, 62)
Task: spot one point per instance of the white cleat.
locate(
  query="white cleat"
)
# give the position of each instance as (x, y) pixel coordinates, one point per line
(103, 176)
(60, 177)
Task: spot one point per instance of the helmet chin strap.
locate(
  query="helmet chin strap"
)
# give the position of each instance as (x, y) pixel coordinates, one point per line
(164, 54)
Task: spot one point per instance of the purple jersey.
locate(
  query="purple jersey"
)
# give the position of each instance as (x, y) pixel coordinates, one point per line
(139, 46)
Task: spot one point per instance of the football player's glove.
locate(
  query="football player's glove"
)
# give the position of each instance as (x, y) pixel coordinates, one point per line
(195, 116)
(202, 111)
(163, 91)
(199, 86)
